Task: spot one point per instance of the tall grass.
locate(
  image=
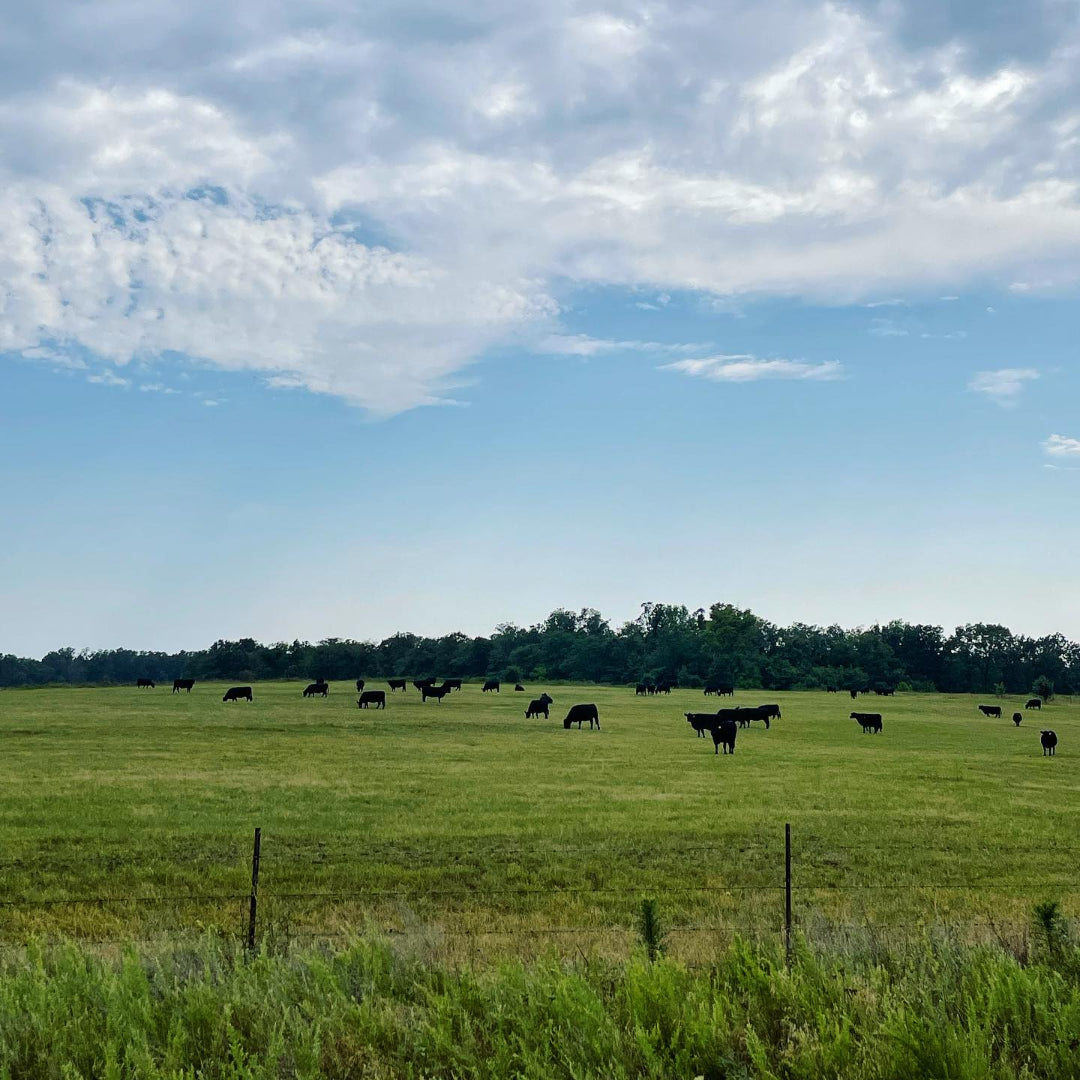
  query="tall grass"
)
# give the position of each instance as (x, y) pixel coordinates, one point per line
(381, 1009)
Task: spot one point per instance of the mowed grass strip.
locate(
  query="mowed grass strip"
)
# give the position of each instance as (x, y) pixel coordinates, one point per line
(468, 817)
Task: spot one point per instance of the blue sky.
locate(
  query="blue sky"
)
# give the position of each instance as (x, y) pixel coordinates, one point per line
(321, 323)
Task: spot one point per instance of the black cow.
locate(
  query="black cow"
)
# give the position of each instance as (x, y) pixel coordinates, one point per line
(639, 690)
(372, 697)
(454, 684)
(578, 713)
(360, 685)
(182, 684)
(1034, 703)
(1017, 718)
(539, 705)
(725, 690)
(316, 688)
(854, 694)
(490, 684)
(663, 688)
(519, 689)
(650, 688)
(235, 693)
(700, 722)
(395, 684)
(990, 710)
(147, 684)
(1049, 742)
(710, 688)
(421, 683)
(437, 692)
(723, 734)
(870, 721)
(831, 690)
(770, 712)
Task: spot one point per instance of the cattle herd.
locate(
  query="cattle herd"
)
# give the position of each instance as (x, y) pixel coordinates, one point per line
(722, 725)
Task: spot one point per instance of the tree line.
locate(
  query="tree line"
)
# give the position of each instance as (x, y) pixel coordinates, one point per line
(666, 642)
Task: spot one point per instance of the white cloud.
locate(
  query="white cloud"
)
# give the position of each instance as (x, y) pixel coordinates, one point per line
(742, 367)
(1003, 386)
(107, 378)
(197, 201)
(1062, 446)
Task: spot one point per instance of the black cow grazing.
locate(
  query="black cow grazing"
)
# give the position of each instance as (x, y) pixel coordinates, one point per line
(182, 684)
(539, 705)
(723, 734)
(770, 712)
(990, 710)
(1017, 718)
(1034, 703)
(884, 691)
(578, 713)
(870, 721)
(360, 685)
(519, 689)
(663, 688)
(490, 684)
(395, 684)
(639, 690)
(710, 688)
(235, 693)
(147, 684)
(701, 722)
(437, 692)
(1049, 742)
(454, 684)
(650, 688)
(372, 697)
(832, 690)
(316, 689)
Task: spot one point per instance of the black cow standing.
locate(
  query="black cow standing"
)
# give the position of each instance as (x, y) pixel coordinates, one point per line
(454, 684)
(723, 734)
(490, 684)
(1034, 703)
(1017, 718)
(235, 693)
(770, 712)
(1049, 743)
(372, 697)
(639, 690)
(870, 722)
(395, 684)
(359, 685)
(437, 692)
(854, 694)
(579, 713)
(316, 688)
(990, 710)
(182, 684)
(539, 705)
(147, 684)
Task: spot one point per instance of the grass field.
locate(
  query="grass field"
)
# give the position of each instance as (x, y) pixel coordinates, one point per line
(475, 829)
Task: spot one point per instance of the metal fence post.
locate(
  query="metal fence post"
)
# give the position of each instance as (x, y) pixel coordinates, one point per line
(254, 891)
(787, 893)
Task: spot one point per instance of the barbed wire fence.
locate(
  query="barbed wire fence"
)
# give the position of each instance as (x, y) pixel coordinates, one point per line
(786, 900)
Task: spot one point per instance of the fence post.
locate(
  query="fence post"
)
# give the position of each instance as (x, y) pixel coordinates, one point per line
(254, 891)
(787, 893)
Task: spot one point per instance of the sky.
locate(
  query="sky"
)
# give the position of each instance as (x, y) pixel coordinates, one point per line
(322, 319)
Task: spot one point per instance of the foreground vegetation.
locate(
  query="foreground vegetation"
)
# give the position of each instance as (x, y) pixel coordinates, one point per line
(665, 643)
(380, 1009)
(129, 813)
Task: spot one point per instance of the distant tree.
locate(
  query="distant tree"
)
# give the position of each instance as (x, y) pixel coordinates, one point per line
(999, 689)
(1043, 688)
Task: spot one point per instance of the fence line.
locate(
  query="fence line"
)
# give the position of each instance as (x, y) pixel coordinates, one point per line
(805, 885)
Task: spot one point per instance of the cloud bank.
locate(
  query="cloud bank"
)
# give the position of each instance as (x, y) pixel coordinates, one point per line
(361, 202)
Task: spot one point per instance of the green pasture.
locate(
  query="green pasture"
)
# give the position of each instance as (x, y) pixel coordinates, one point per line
(474, 828)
